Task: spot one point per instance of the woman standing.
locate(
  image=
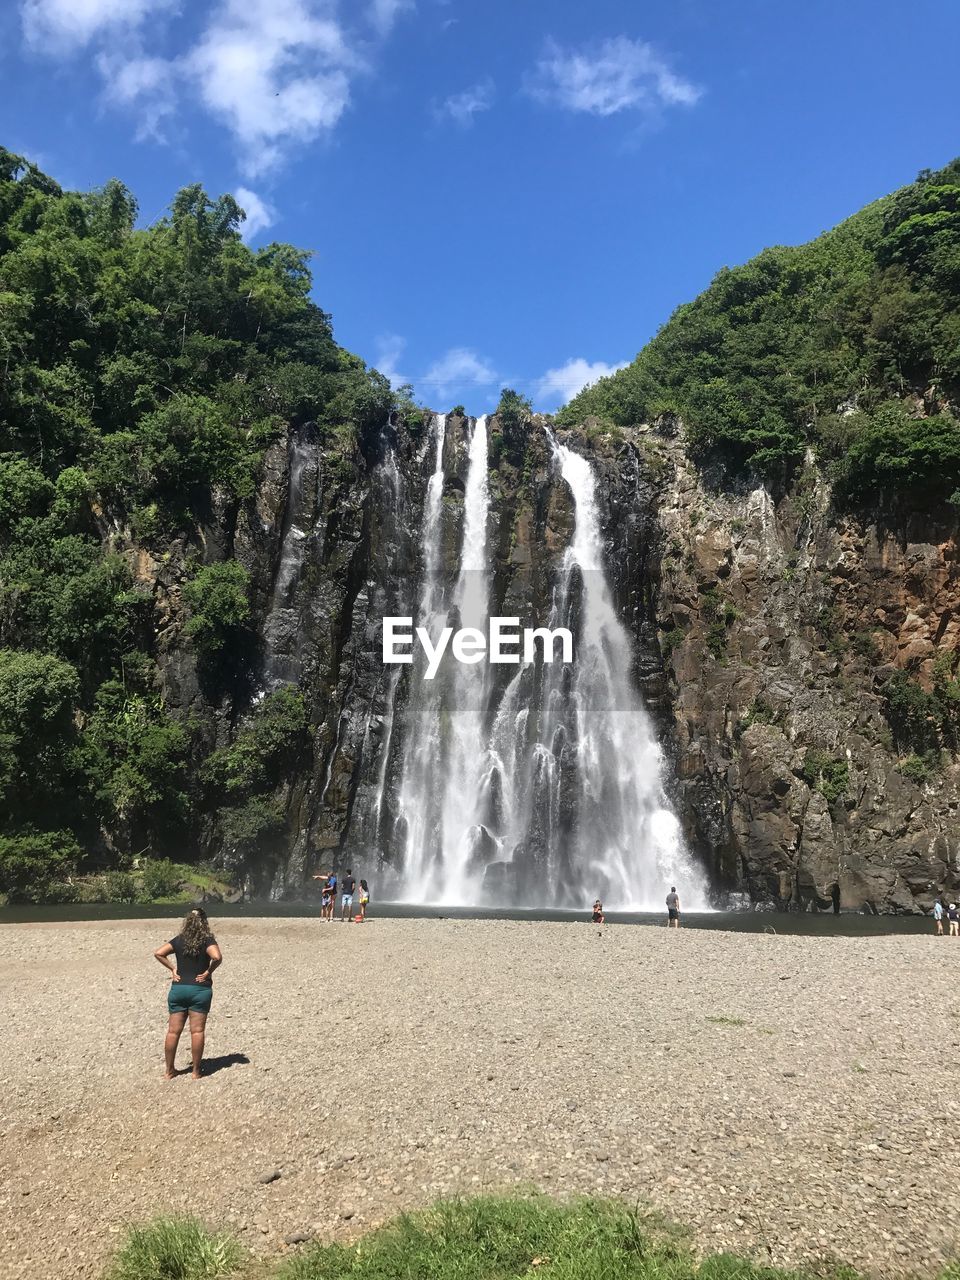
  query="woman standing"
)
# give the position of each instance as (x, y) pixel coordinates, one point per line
(195, 956)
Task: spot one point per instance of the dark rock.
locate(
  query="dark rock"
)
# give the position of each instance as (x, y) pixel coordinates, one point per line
(299, 1237)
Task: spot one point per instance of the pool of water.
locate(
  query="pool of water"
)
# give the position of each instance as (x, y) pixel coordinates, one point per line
(815, 924)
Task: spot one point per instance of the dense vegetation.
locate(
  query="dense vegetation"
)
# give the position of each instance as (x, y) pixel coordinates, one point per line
(488, 1238)
(143, 372)
(850, 343)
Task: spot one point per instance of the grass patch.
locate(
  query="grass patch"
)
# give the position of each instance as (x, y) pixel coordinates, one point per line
(722, 1020)
(506, 1238)
(488, 1238)
(176, 1249)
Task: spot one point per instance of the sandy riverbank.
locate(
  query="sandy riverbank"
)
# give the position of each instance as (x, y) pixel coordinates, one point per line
(795, 1097)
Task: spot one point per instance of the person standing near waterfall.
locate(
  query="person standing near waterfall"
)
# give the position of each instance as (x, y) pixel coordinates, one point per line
(195, 956)
(348, 888)
(673, 908)
(328, 893)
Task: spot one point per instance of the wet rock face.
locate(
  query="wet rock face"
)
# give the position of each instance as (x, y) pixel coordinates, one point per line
(743, 612)
(780, 623)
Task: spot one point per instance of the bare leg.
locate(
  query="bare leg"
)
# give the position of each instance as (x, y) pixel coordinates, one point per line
(172, 1039)
(198, 1024)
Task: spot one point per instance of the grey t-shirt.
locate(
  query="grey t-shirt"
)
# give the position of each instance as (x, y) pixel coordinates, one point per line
(673, 901)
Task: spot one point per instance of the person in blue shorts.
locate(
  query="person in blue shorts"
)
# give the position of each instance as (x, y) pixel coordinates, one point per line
(938, 918)
(195, 956)
(348, 888)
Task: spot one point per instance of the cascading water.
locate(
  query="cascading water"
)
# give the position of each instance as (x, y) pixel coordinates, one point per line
(282, 659)
(419, 809)
(546, 791)
(626, 840)
(388, 594)
(466, 706)
(441, 792)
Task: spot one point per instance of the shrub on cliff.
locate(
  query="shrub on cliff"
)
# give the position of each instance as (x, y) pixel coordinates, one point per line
(217, 598)
(136, 760)
(513, 410)
(924, 721)
(826, 774)
(272, 742)
(893, 457)
(247, 826)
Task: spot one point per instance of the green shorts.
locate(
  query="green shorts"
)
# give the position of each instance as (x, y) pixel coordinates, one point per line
(189, 997)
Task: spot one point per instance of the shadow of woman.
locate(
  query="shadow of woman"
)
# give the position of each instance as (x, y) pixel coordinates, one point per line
(211, 1065)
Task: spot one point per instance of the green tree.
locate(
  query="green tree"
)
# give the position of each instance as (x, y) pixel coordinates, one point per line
(35, 865)
(267, 749)
(760, 364)
(513, 409)
(136, 759)
(220, 608)
(38, 701)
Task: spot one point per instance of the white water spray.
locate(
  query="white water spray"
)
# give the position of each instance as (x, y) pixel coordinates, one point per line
(547, 791)
(627, 836)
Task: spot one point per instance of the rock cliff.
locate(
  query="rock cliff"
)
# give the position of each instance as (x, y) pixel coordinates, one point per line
(764, 634)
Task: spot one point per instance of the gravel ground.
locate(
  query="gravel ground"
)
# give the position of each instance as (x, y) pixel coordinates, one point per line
(794, 1098)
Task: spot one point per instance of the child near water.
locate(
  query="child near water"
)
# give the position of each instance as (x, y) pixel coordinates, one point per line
(598, 912)
(364, 899)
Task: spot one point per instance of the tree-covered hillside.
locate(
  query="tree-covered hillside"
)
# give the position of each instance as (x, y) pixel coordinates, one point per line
(850, 343)
(142, 371)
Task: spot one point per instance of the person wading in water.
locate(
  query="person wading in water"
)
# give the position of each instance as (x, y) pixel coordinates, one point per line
(673, 908)
(195, 956)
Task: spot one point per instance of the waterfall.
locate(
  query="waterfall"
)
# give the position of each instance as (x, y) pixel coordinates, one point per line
(388, 595)
(419, 803)
(545, 789)
(461, 831)
(626, 839)
(282, 657)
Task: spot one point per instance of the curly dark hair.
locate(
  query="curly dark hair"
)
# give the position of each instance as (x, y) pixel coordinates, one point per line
(195, 932)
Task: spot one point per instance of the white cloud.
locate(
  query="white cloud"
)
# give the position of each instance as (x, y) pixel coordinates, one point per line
(614, 75)
(462, 107)
(148, 85)
(557, 386)
(62, 24)
(457, 368)
(384, 13)
(390, 347)
(275, 72)
(260, 214)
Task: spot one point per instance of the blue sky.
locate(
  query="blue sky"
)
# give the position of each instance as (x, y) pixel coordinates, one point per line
(498, 192)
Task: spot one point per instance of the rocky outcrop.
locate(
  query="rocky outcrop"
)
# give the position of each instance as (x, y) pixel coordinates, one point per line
(781, 623)
(764, 634)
